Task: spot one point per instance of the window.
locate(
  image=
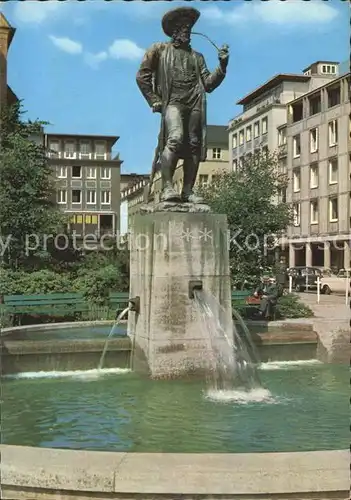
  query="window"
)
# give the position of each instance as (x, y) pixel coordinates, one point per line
(105, 173)
(91, 172)
(329, 69)
(85, 149)
(333, 171)
(91, 197)
(62, 172)
(296, 214)
(248, 134)
(265, 151)
(297, 146)
(100, 150)
(54, 149)
(333, 96)
(62, 196)
(333, 210)
(76, 172)
(76, 196)
(313, 140)
(314, 211)
(256, 129)
(69, 150)
(282, 137)
(216, 153)
(235, 141)
(296, 180)
(203, 180)
(241, 137)
(315, 104)
(282, 195)
(88, 219)
(105, 197)
(235, 165)
(264, 125)
(79, 219)
(333, 132)
(314, 175)
(215, 178)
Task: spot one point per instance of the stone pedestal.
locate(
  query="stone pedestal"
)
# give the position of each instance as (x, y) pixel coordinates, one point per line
(167, 251)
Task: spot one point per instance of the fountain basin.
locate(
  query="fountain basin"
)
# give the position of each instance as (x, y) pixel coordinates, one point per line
(303, 406)
(52, 474)
(68, 346)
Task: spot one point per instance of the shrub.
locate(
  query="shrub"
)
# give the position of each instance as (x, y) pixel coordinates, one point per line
(291, 306)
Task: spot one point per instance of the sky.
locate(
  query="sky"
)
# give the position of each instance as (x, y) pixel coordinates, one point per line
(74, 62)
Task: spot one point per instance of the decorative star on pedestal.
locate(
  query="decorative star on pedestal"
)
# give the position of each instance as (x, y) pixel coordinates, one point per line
(206, 234)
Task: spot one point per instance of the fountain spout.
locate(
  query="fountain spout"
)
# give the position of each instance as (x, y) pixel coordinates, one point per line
(194, 285)
(134, 304)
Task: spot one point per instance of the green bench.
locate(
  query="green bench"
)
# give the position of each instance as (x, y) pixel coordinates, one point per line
(50, 304)
(118, 301)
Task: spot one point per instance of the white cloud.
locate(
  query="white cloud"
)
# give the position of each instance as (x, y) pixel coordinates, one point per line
(35, 12)
(93, 60)
(125, 49)
(67, 45)
(119, 49)
(290, 13)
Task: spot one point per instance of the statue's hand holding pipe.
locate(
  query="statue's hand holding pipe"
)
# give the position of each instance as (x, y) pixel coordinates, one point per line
(223, 56)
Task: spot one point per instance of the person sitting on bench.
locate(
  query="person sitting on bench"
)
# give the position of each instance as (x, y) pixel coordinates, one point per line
(268, 292)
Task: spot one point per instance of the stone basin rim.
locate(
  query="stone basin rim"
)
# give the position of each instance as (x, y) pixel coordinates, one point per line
(172, 473)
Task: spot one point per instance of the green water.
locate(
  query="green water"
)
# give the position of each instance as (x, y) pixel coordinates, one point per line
(307, 410)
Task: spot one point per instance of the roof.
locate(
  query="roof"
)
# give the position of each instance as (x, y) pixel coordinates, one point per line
(11, 96)
(217, 134)
(110, 138)
(135, 176)
(273, 82)
(4, 24)
(332, 82)
(320, 62)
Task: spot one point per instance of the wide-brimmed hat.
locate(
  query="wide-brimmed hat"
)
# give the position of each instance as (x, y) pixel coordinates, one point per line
(171, 19)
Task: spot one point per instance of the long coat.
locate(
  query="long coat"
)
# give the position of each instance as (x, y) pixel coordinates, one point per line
(154, 79)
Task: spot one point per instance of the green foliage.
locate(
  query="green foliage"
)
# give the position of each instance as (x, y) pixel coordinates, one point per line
(27, 197)
(43, 281)
(248, 198)
(291, 306)
(96, 284)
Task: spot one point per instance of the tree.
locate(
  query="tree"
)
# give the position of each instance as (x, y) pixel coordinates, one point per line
(27, 198)
(249, 198)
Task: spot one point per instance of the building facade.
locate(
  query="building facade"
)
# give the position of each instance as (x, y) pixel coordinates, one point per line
(216, 162)
(7, 32)
(264, 110)
(87, 176)
(319, 169)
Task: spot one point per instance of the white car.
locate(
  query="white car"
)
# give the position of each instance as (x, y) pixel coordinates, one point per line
(335, 283)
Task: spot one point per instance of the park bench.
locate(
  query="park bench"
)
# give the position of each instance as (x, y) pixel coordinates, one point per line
(50, 304)
(118, 301)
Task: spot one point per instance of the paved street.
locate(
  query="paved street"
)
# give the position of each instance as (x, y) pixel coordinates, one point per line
(330, 306)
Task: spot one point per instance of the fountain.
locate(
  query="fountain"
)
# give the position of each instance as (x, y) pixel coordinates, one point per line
(118, 321)
(173, 441)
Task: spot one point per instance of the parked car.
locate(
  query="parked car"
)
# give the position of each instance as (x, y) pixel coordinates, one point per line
(304, 277)
(335, 283)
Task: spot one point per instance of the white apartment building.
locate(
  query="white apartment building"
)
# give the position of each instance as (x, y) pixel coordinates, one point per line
(319, 170)
(264, 110)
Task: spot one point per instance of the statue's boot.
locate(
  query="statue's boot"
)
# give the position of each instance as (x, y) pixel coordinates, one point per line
(168, 165)
(190, 167)
(192, 198)
(170, 194)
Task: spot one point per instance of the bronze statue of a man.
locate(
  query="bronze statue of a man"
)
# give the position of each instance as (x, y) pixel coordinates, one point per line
(174, 80)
